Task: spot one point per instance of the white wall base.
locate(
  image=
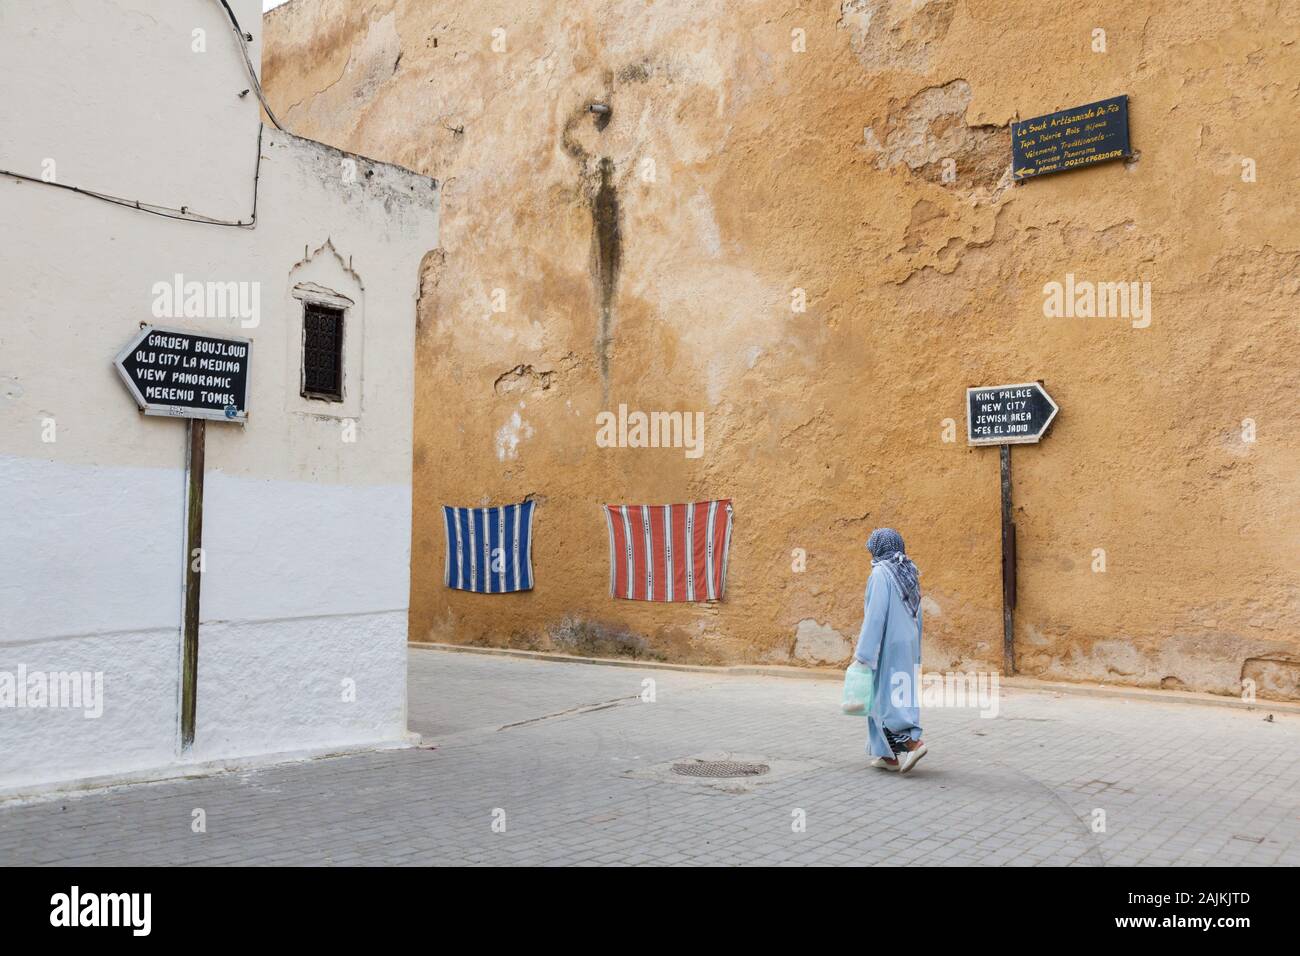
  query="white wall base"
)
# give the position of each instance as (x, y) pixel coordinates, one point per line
(264, 687)
(138, 726)
(269, 686)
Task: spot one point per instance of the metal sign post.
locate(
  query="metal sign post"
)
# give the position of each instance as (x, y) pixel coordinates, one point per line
(199, 377)
(1007, 415)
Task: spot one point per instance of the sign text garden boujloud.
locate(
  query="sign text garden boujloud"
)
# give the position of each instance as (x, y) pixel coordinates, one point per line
(187, 375)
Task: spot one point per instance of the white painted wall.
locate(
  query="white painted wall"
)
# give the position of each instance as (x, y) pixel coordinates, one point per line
(307, 536)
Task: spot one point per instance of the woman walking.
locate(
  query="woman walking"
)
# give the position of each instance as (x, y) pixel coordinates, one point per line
(890, 644)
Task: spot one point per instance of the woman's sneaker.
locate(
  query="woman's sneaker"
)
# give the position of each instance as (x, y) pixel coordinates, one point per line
(883, 764)
(909, 758)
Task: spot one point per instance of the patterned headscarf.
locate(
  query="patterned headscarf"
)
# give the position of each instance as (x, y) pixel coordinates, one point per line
(886, 547)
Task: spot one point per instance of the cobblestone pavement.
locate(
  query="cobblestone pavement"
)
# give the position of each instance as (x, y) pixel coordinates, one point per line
(575, 764)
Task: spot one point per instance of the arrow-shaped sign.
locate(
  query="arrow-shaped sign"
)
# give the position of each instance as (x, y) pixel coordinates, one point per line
(1008, 414)
(185, 375)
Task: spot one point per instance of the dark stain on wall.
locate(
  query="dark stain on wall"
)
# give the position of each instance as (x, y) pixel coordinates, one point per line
(608, 252)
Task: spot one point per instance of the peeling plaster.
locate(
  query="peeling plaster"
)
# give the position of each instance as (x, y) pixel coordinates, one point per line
(511, 434)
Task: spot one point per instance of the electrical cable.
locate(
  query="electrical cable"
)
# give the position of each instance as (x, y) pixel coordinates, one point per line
(167, 212)
(243, 39)
(183, 214)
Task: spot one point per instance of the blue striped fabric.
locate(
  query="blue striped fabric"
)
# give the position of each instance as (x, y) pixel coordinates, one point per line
(489, 550)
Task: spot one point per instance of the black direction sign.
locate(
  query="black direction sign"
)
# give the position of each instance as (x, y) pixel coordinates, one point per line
(1008, 414)
(1080, 136)
(186, 375)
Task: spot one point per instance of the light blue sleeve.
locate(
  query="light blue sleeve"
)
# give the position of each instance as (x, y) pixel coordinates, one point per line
(875, 613)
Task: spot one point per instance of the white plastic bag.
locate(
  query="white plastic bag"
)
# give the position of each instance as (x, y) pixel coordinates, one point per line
(859, 687)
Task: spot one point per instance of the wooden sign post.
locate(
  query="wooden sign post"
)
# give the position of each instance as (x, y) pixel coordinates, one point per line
(198, 377)
(1007, 415)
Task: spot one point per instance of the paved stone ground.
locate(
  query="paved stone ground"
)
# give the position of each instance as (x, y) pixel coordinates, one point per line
(575, 760)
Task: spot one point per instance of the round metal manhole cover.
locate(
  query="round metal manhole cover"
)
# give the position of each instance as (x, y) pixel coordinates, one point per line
(720, 769)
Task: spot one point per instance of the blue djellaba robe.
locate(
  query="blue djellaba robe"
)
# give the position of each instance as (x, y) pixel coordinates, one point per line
(890, 644)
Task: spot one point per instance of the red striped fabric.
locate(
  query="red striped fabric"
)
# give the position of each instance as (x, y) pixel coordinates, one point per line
(669, 552)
